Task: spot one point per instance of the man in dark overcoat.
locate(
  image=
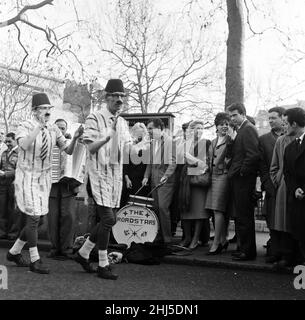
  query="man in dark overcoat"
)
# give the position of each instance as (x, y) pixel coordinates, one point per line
(242, 174)
(266, 146)
(294, 173)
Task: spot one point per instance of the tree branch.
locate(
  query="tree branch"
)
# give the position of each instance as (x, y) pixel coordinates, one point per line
(18, 17)
(26, 52)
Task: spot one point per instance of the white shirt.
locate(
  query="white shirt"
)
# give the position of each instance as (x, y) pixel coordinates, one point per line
(300, 138)
(241, 124)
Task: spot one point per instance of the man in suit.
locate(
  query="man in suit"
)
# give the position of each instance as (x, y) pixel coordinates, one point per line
(161, 169)
(294, 174)
(61, 204)
(9, 217)
(242, 174)
(3, 146)
(266, 146)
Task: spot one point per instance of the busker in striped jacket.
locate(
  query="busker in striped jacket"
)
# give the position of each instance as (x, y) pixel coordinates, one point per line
(106, 135)
(36, 139)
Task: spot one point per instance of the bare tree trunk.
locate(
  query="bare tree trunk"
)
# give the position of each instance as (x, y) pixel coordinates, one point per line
(235, 53)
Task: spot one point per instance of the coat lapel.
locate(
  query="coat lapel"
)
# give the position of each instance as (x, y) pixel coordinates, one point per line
(302, 149)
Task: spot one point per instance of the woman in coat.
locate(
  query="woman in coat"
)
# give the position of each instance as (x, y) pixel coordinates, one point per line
(134, 170)
(193, 198)
(217, 196)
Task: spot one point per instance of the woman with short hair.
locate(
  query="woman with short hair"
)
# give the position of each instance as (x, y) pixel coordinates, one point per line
(217, 196)
(135, 164)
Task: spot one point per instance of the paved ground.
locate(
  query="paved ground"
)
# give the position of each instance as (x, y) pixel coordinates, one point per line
(199, 257)
(136, 282)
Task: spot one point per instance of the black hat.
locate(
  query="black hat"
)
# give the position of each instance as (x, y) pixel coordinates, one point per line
(40, 99)
(114, 85)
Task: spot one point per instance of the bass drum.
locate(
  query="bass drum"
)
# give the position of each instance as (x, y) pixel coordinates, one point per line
(135, 224)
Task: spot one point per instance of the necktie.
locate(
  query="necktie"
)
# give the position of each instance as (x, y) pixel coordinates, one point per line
(44, 146)
(115, 152)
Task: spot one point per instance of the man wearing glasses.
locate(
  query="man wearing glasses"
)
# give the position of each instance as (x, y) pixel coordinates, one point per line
(36, 139)
(8, 214)
(106, 134)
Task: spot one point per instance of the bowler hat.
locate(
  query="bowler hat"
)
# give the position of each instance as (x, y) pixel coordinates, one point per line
(114, 85)
(40, 99)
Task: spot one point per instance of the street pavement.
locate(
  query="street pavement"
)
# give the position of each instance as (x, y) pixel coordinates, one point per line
(137, 282)
(199, 257)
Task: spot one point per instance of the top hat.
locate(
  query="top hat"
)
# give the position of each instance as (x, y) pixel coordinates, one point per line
(40, 99)
(114, 85)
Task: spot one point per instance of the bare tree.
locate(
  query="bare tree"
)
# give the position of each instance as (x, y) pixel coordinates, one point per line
(16, 90)
(22, 18)
(24, 21)
(160, 68)
(14, 96)
(235, 53)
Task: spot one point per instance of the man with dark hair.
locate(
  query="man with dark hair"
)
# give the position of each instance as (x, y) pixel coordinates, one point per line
(61, 204)
(242, 173)
(3, 146)
(8, 214)
(294, 173)
(266, 146)
(161, 169)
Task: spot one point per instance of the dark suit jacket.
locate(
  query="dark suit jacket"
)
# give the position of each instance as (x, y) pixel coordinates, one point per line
(294, 174)
(165, 164)
(266, 146)
(245, 152)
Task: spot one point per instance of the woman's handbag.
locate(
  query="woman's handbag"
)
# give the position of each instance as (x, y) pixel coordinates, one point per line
(201, 180)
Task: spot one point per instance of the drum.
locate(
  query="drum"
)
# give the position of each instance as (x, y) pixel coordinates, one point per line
(141, 201)
(135, 223)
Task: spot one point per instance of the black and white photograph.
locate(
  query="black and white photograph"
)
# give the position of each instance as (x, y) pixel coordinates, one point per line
(152, 153)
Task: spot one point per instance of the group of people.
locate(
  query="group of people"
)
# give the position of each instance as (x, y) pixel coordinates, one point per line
(192, 178)
(233, 162)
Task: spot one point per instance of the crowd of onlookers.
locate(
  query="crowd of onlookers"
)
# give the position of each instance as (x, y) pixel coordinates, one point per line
(195, 180)
(217, 179)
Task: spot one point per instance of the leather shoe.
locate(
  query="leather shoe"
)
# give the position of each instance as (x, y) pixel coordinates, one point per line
(52, 254)
(282, 264)
(106, 273)
(38, 267)
(243, 257)
(272, 259)
(11, 237)
(235, 253)
(18, 259)
(65, 256)
(85, 263)
(195, 245)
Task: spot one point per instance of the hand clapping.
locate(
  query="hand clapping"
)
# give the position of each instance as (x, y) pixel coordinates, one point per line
(79, 132)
